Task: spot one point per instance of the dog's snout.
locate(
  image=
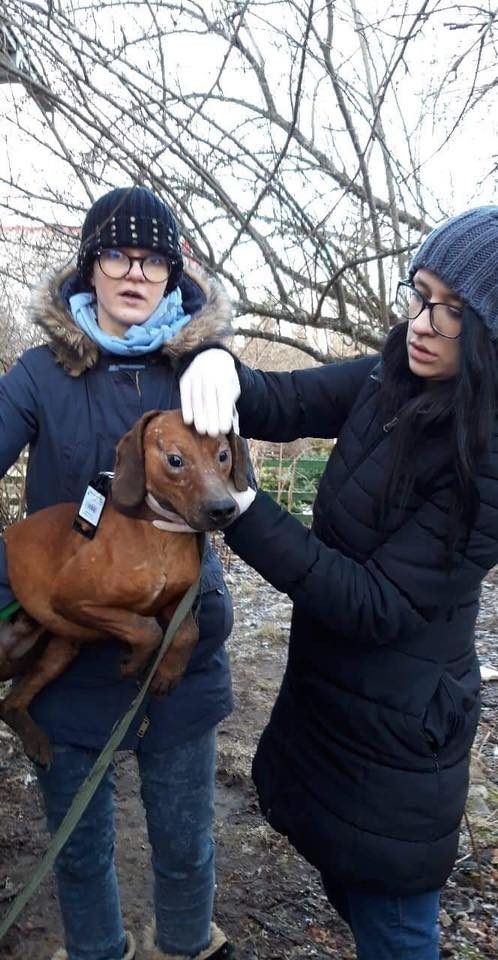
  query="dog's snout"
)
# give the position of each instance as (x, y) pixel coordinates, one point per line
(221, 512)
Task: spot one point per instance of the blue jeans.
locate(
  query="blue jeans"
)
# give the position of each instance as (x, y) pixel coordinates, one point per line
(389, 928)
(177, 789)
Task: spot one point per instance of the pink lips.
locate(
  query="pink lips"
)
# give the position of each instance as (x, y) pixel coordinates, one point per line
(421, 353)
(132, 295)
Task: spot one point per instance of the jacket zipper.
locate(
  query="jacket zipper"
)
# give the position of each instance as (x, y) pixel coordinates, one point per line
(386, 428)
(137, 384)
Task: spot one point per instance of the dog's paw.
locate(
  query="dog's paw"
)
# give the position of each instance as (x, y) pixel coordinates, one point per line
(37, 748)
(162, 683)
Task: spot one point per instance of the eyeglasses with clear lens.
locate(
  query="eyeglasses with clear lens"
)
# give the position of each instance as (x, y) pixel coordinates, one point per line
(117, 265)
(444, 319)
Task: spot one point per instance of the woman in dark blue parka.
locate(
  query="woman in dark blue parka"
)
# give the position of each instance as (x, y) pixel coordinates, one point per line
(364, 763)
(116, 327)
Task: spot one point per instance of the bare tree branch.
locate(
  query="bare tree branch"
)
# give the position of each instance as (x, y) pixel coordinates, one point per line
(287, 155)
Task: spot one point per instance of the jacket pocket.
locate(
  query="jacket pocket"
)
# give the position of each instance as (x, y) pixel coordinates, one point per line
(214, 617)
(453, 710)
(212, 577)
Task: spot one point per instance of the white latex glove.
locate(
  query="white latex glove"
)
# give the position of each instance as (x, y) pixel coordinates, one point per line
(209, 389)
(243, 498)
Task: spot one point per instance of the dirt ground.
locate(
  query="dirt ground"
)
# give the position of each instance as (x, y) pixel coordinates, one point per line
(269, 900)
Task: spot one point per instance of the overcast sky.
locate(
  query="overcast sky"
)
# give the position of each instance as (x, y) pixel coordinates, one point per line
(457, 174)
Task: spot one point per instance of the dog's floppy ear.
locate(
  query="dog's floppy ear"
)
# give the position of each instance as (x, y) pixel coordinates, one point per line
(128, 486)
(240, 460)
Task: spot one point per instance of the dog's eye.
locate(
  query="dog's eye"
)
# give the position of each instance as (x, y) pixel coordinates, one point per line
(174, 460)
(223, 457)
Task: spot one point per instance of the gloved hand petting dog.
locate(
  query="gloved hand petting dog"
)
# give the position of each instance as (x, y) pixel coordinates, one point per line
(209, 390)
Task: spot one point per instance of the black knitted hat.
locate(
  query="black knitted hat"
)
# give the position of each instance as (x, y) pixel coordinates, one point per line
(131, 217)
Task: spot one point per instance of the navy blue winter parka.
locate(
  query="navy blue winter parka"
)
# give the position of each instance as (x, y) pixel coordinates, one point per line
(71, 404)
(364, 763)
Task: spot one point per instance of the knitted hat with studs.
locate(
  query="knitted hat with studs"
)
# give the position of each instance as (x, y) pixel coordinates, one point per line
(131, 217)
(463, 252)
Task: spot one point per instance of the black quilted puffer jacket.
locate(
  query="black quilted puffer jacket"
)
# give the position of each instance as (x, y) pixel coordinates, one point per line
(364, 763)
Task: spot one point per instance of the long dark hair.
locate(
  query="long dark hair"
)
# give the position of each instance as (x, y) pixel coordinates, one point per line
(463, 408)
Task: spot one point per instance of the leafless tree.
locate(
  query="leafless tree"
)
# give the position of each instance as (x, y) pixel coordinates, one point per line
(278, 131)
(477, 60)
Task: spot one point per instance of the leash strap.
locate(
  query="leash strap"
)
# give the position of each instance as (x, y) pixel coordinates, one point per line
(89, 786)
(7, 612)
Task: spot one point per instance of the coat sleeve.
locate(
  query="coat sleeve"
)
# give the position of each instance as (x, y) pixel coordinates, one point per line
(306, 403)
(401, 588)
(18, 413)
(18, 427)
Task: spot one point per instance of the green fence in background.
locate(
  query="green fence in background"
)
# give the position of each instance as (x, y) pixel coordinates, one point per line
(292, 482)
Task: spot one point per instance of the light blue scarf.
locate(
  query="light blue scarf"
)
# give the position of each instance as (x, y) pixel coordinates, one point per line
(168, 318)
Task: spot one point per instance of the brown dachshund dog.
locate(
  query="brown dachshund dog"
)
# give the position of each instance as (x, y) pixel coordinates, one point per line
(128, 577)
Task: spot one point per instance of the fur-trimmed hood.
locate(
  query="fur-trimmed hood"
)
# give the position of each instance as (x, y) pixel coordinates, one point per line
(74, 350)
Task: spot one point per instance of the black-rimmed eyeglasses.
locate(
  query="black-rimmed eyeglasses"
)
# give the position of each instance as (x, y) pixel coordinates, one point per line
(117, 265)
(444, 319)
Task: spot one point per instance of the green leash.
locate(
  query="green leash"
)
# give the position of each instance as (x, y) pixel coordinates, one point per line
(89, 786)
(7, 612)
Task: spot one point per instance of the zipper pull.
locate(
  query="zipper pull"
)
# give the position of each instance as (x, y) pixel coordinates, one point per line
(389, 426)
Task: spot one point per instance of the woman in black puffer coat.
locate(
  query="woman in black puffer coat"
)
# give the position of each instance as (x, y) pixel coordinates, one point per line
(364, 763)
